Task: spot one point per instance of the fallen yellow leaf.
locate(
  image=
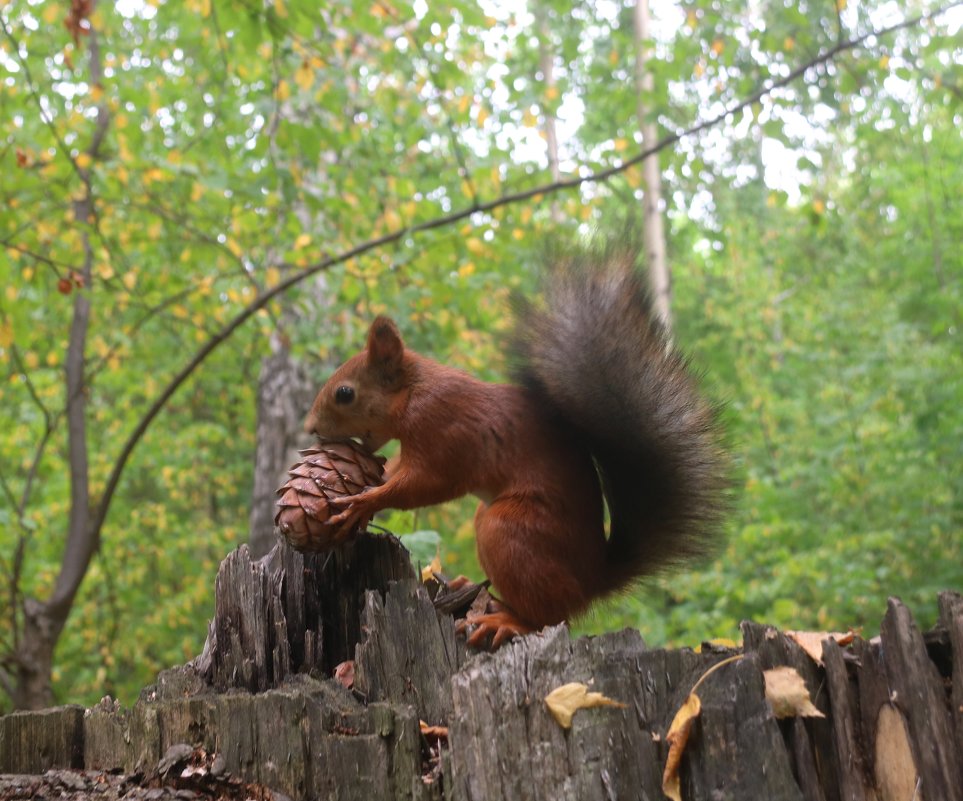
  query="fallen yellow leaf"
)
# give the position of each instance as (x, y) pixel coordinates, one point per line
(788, 695)
(678, 734)
(429, 570)
(677, 737)
(563, 702)
(812, 641)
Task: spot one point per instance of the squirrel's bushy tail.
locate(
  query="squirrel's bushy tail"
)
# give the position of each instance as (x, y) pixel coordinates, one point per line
(592, 349)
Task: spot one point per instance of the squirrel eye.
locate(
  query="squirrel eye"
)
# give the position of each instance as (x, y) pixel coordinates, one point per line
(344, 394)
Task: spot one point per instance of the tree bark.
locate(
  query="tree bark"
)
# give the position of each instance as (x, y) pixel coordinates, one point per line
(284, 396)
(254, 708)
(652, 230)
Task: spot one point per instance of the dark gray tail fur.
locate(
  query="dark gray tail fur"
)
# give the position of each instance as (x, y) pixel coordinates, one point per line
(592, 349)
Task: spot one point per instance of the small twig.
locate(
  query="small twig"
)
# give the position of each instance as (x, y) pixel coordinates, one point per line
(31, 389)
(714, 668)
(8, 491)
(379, 529)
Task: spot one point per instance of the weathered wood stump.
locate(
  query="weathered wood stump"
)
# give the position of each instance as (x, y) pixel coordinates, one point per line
(258, 715)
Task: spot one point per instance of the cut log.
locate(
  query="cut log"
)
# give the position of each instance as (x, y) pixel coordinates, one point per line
(917, 692)
(257, 714)
(951, 619)
(32, 742)
(292, 612)
(409, 652)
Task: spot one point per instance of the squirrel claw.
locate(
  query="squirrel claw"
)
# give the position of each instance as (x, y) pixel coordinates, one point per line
(339, 518)
(344, 501)
(500, 626)
(348, 506)
(347, 520)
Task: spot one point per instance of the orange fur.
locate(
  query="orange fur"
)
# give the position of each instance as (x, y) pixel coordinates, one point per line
(603, 402)
(540, 534)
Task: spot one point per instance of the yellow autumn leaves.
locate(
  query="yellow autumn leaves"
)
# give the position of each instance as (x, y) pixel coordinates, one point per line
(563, 702)
(785, 691)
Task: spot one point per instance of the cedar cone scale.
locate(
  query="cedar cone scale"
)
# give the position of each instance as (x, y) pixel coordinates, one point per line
(331, 470)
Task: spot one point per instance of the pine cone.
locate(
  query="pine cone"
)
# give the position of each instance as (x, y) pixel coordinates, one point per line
(331, 470)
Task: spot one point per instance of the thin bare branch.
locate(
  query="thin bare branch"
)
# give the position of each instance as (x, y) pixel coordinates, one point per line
(8, 491)
(16, 570)
(31, 389)
(34, 469)
(56, 265)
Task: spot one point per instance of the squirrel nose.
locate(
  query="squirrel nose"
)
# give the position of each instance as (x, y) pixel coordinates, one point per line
(310, 422)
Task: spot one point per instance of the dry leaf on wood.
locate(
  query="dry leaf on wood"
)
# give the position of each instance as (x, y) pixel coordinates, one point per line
(788, 695)
(812, 641)
(678, 734)
(563, 702)
(428, 571)
(344, 674)
(677, 737)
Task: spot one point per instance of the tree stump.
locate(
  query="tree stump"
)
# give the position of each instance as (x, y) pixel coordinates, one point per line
(257, 714)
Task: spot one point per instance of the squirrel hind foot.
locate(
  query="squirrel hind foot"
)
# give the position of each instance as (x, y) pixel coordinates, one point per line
(492, 629)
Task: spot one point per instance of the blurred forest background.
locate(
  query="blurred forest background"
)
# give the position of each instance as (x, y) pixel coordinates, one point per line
(205, 201)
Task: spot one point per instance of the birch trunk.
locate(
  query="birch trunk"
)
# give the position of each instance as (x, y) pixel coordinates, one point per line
(283, 398)
(652, 231)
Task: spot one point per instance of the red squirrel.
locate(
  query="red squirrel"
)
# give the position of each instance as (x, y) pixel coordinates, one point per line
(602, 407)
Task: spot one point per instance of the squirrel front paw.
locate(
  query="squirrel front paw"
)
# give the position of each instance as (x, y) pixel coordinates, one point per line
(356, 511)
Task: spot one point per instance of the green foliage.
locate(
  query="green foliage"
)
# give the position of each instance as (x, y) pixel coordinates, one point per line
(831, 326)
(423, 546)
(247, 142)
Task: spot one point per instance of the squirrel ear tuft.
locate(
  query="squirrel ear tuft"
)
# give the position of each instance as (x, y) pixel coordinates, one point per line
(385, 348)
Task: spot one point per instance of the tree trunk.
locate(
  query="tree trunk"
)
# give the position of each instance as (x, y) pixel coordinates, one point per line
(653, 234)
(247, 710)
(43, 621)
(284, 396)
(34, 657)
